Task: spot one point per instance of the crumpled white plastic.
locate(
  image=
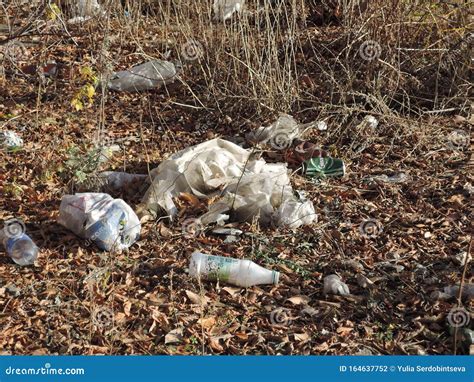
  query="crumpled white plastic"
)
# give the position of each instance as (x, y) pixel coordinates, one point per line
(110, 223)
(84, 10)
(334, 285)
(224, 9)
(281, 133)
(10, 140)
(243, 187)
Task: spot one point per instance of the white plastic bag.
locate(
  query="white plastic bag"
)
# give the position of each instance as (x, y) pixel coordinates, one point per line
(334, 285)
(147, 76)
(224, 9)
(108, 222)
(84, 10)
(10, 140)
(242, 186)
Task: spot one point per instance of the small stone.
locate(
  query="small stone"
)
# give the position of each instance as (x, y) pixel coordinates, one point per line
(427, 235)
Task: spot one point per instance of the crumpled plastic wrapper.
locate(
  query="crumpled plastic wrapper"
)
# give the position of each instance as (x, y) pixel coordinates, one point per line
(10, 140)
(224, 9)
(243, 187)
(281, 133)
(334, 285)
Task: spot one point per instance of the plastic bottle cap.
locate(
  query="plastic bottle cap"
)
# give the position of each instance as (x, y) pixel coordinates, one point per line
(275, 277)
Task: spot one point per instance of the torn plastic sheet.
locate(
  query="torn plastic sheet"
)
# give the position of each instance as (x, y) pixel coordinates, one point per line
(243, 187)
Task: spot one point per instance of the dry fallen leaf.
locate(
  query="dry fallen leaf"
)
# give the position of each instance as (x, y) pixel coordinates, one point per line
(343, 330)
(197, 299)
(232, 291)
(302, 336)
(126, 307)
(207, 323)
(215, 345)
(299, 300)
(174, 337)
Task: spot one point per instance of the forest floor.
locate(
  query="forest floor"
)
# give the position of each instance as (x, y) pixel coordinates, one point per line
(79, 300)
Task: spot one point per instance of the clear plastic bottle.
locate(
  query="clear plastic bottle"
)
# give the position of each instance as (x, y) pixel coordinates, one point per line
(21, 249)
(244, 273)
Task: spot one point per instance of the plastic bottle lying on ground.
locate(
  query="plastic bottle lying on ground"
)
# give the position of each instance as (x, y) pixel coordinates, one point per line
(244, 273)
(147, 76)
(110, 223)
(21, 248)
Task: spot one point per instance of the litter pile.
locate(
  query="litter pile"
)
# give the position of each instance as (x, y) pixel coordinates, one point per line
(244, 187)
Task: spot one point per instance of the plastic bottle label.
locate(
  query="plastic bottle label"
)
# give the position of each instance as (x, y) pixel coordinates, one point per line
(12, 240)
(219, 268)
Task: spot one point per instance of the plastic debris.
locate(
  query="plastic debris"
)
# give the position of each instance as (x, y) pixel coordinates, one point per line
(20, 248)
(372, 121)
(110, 223)
(87, 7)
(84, 10)
(224, 9)
(105, 154)
(304, 151)
(280, 134)
(116, 180)
(324, 167)
(227, 231)
(334, 285)
(461, 258)
(10, 140)
(242, 187)
(244, 273)
(150, 75)
(400, 177)
(322, 126)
